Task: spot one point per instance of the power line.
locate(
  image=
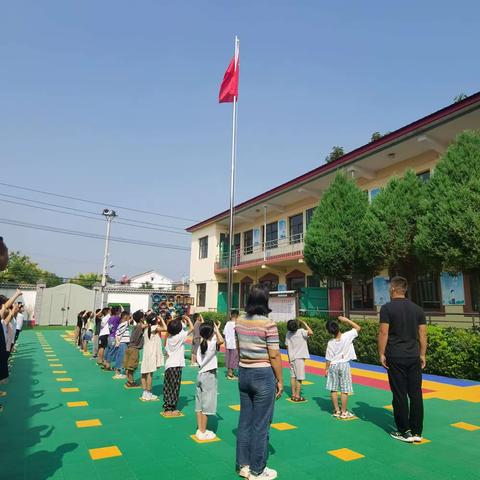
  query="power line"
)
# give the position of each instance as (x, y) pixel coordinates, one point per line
(91, 218)
(48, 228)
(97, 203)
(81, 210)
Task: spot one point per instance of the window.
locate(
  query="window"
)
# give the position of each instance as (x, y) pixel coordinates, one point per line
(201, 294)
(362, 294)
(272, 236)
(425, 291)
(309, 216)
(296, 228)
(313, 281)
(373, 193)
(296, 283)
(247, 242)
(203, 247)
(424, 176)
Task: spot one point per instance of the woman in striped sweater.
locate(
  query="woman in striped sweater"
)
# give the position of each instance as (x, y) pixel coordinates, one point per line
(260, 381)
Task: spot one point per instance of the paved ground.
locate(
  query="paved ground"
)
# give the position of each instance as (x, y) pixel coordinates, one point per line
(40, 437)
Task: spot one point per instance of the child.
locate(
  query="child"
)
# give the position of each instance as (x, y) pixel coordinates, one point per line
(206, 394)
(198, 320)
(296, 340)
(175, 362)
(112, 349)
(152, 354)
(122, 339)
(231, 351)
(339, 353)
(103, 337)
(96, 332)
(87, 331)
(130, 362)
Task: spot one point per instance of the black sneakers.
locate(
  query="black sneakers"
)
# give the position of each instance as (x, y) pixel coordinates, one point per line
(403, 437)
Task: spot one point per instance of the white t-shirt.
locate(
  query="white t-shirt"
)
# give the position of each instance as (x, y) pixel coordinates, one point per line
(230, 337)
(342, 350)
(104, 330)
(20, 318)
(208, 361)
(175, 350)
(297, 345)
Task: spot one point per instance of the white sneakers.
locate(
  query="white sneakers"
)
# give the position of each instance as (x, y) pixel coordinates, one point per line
(244, 471)
(148, 396)
(119, 376)
(207, 435)
(267, 474)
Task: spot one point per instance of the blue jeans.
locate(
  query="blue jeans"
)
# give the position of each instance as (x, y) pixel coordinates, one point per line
(120, 355)
(257, 399)
(111, 353)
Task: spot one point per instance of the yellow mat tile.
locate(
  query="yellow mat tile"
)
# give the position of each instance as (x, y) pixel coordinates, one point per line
(291, 401)
(69, 390)
(235, 407)
(306, 382)
(77, 404)
(104, 452)
(282, 426)
(187, 382)
(56, 364)
(64, 379)
(213, 440)
(52, 359)
(388, 407)
(88, 423)
(59, 372)
(346, 454)
(466, 426)
(425, 440)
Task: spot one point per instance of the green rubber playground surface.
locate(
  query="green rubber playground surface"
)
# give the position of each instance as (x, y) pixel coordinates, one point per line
(39, 437)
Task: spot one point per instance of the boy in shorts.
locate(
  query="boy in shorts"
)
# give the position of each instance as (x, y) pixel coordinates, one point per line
(296, 340)
(130, 361)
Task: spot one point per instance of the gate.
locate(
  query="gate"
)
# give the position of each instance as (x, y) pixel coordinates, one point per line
(60, 305)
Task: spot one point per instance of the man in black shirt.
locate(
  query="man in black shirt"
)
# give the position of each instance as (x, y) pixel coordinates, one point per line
(402, 345)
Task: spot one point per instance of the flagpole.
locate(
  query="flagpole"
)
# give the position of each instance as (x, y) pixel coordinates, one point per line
(232, 192)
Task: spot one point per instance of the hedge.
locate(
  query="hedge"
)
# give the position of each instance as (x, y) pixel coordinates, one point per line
(451, 352)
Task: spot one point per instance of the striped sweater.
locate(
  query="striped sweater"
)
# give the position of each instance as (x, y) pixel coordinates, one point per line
(255, 336)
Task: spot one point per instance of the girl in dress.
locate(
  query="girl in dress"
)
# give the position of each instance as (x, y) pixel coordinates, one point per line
(152, 354)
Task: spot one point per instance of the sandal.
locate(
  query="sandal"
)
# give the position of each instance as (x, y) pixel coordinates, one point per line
(301, 399)
(294, 399)
(131, 385)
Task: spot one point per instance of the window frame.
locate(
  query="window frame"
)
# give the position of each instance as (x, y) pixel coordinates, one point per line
(203, 249)
(296, 237)
(198, 296)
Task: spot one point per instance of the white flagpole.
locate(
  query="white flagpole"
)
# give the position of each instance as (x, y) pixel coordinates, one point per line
(232, 192)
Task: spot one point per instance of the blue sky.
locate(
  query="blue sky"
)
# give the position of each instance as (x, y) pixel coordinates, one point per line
(116, 101)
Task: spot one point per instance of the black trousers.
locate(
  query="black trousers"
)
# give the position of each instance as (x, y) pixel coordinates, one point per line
(171, 388)
(405, 378)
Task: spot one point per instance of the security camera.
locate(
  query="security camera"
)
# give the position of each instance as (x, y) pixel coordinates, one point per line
(109, 213)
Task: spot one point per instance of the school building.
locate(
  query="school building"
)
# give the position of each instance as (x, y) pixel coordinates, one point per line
(270, 228)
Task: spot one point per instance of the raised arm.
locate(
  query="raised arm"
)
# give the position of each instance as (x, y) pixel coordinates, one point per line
(10, 301)
(347, 321)
(189, 323)
(216, 327)
(161, 327)
(307, 328)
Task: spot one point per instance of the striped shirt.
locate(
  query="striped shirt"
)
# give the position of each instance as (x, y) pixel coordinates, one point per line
(256, 335)
(123, 333)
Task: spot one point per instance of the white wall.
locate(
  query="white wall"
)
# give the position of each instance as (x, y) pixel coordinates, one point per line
(137, 301)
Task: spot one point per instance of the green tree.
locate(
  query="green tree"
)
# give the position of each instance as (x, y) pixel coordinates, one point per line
(21, 269)
(390, 225)
(449, 230)
(460, 97)
(336, 153)
(87, 280)
(332, 239)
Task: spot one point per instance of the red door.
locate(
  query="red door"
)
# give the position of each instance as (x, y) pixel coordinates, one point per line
(335, 302)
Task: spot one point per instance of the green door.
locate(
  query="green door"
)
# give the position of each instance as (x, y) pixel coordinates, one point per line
(314, 301)
(222, 297)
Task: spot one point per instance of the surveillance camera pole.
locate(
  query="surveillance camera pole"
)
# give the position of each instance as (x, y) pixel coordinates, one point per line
(109, 215)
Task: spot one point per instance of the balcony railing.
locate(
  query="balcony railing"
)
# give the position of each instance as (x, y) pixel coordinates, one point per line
(268, 251)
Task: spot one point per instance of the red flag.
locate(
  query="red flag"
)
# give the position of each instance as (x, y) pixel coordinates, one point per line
(229, 87)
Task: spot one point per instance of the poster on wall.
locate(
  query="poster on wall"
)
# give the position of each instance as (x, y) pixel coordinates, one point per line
(381, 290)
(283, 306)
(256, 237)
(282, 229)
(452, 288)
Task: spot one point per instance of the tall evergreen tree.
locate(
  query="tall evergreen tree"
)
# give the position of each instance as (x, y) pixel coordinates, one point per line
(449, 231)
(331, 243)
(390, 225)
